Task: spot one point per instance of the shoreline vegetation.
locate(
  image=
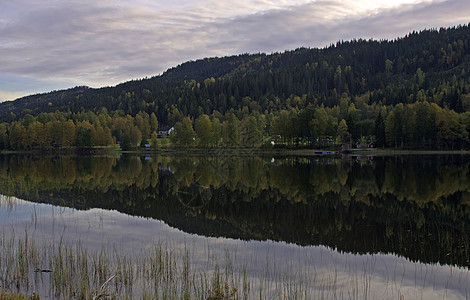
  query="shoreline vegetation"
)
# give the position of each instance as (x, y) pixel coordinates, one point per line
(444, 130)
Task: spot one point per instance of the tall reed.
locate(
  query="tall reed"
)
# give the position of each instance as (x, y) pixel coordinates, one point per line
(65, 270)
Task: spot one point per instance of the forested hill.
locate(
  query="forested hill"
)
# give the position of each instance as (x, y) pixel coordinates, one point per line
(412, 92)
(431, 64)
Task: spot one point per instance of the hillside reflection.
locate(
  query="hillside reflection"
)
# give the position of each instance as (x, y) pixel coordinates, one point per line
(415, 206)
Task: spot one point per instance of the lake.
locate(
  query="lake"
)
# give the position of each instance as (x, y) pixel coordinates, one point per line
(236, 226)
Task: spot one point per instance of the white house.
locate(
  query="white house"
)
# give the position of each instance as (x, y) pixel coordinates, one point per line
(165, 130)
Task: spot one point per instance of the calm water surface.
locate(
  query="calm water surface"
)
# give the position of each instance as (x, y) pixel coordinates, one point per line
(341, 227)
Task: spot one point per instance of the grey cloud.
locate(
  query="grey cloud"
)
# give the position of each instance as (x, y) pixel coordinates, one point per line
(311, 25)
(397, 23)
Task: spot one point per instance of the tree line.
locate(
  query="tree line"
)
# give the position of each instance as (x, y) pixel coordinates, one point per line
(420, 125)
(81, 130)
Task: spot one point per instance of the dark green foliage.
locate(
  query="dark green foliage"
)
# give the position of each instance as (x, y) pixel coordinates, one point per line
(379, 131)
(125, 141)
(85, 138)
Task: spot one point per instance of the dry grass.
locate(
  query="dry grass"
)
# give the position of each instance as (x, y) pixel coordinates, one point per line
(10, 296)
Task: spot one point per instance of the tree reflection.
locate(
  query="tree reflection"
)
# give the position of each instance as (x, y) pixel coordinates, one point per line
(413, 206)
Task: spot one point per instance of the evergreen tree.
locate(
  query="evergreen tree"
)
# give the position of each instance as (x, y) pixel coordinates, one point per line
(379, 131)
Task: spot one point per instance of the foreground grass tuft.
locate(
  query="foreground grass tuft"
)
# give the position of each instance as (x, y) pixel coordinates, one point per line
(9, 296)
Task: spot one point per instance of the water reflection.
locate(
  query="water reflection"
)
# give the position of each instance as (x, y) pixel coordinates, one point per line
(414, 206)
(271, 267)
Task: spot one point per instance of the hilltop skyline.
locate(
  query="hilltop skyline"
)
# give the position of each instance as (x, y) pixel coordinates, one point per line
(57, 45)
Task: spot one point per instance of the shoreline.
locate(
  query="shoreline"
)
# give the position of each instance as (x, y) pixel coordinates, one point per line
(242, 152)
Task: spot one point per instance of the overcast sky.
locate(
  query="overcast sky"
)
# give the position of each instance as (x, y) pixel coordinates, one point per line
(56, 44)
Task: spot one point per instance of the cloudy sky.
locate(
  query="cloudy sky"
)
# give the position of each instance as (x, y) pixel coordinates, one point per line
(55, 44)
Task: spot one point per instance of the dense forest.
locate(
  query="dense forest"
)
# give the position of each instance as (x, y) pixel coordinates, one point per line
(418, 207)
(411, 92)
